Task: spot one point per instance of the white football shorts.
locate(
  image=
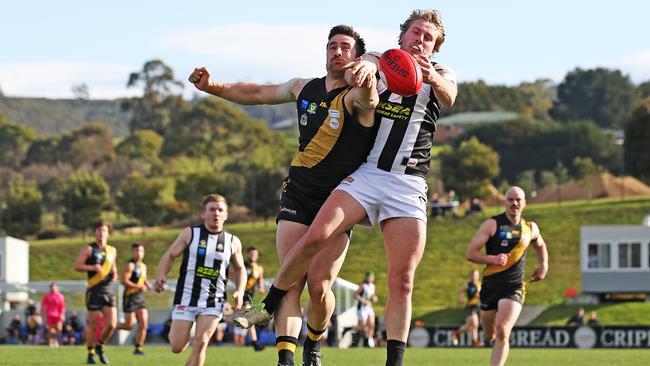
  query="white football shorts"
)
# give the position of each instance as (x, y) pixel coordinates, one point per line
(386, 195)
(184, 312)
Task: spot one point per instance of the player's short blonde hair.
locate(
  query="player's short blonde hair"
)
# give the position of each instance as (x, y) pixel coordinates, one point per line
(213, 198)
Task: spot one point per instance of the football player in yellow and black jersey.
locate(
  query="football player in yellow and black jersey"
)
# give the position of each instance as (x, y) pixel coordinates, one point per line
(134, 279)
(254, 281)
(335, 125)
(506, 238)
(469, 294)
(98, 260)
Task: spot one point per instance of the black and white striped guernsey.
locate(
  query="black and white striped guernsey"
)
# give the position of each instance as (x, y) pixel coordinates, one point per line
(204, 270)
(405, 127)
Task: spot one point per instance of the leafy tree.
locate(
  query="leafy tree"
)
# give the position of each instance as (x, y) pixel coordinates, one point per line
(15, 141)
(644, 90)
(90, 145)
(547, 179)
(21, 214)
(469, 168)
(160, 100)
(42, 151)
(84, 197)
(602, 95)
(526, 180)
(584, 167)
(143, 144)
(561, 173)
(80, 91)
(140, 197)
(538, 97)
(525, 144)
(637, 140)
(196, 185)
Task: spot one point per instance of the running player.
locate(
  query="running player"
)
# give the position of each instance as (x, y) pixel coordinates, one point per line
(469, 294)
(201, 288)
(506, 238)
(365, 296)
(255, 280)
(98, 260)
(134, 279)
(390, 188)
(334, 122)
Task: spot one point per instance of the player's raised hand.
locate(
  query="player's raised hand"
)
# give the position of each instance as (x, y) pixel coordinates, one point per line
(200, 77)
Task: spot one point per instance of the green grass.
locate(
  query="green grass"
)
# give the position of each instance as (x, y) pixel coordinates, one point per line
(228, 356)
(440, 274)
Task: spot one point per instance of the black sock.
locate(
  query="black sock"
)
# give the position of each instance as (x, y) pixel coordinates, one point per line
(395, 352)
(286, 346)
(273, 299)
(91, 350)
(312, 342)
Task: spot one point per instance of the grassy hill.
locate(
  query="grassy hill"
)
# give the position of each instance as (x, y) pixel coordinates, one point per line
(443, 268)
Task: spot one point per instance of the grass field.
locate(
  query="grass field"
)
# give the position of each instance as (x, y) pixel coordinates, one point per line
(442, 271)
(227, 356)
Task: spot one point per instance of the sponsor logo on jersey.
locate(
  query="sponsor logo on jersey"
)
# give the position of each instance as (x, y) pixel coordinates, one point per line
(334, 123)
(288, 210)
(303, 119)
(322, 104)
(334, 113)
(412, 162)
(219, 247)
(304, 104)
(312, 108)
(393, 110)
(349, 179)
(207, 272)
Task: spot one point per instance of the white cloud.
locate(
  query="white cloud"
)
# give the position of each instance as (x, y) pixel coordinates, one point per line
(264, 53)
(636, 65)
(54, 79)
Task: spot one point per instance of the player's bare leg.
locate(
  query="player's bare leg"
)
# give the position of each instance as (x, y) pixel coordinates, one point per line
(507, 315)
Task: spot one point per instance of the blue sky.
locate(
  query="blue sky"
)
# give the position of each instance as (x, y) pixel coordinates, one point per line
(48, 46)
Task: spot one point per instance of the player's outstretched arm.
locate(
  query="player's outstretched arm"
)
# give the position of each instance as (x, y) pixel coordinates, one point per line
(167, 259)
(246, 93)
(239, 271)
(542, 255)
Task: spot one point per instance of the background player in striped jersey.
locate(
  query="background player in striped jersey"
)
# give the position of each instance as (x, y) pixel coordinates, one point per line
(98, 260)
(366, 296)
(506, 238)
(335, 126)
(469, 294)
(201, 288)
(134, 279)
(390, 187)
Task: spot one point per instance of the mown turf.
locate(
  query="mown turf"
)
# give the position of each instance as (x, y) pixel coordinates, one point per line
(228, 356)
(443, 268)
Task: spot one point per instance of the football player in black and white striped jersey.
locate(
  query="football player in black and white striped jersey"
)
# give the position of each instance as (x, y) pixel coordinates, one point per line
(390, 188)
(201, 288)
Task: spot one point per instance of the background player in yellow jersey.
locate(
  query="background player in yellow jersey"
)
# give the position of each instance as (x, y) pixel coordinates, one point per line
(98, 259)
(254, 281)
(506, 238)
(134, 279)
(469, 294)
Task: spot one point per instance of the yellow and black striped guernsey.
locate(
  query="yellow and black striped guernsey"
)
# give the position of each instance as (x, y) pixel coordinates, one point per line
(332, 143)
(106, 257)
(508, 238)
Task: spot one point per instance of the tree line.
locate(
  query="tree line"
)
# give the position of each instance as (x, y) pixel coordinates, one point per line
(178, 150)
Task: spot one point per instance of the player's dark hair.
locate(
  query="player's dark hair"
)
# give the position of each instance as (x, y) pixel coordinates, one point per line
(359, 43)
